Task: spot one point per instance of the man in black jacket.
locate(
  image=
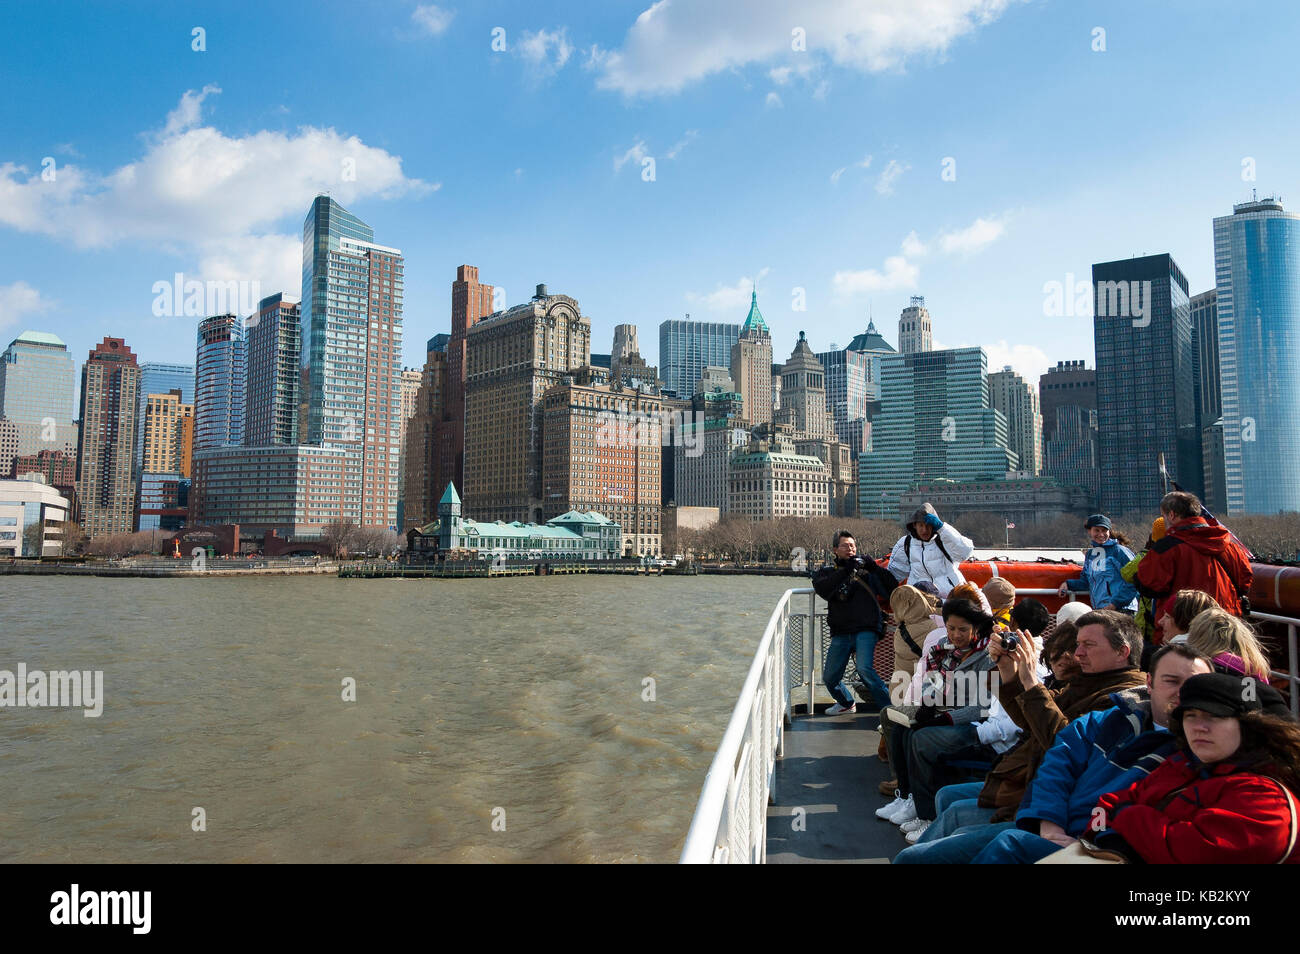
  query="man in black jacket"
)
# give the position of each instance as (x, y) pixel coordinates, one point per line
(851, 586)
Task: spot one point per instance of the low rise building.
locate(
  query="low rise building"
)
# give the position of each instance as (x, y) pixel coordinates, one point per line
(1020, 498)
(32, 517)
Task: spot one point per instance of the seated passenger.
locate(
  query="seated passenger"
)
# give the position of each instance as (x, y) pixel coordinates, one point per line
(1058, 655)
(1001, 595)
(1101, 752)
(1230, 642)
(1187, 606)
(916, 736)
(1228, 795)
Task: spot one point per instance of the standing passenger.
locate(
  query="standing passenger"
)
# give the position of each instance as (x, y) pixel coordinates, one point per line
(930, 550)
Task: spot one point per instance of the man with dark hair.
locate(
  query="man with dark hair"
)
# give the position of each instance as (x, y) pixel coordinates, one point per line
(851, 586)
(1193, 555)
(1108, 647)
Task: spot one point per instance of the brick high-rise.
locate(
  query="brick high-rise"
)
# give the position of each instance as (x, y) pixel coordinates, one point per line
(110, 381)
(470, 302)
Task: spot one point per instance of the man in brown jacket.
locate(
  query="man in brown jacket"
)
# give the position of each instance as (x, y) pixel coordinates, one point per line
(1108, 649)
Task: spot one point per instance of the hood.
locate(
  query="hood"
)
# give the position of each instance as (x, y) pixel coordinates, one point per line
(1200, 536)
(918, 516)
(910, 605)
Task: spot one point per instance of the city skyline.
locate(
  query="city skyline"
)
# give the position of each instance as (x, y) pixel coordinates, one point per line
(980, 245)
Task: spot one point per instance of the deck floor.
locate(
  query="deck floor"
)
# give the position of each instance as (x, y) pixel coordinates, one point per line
(831, 771)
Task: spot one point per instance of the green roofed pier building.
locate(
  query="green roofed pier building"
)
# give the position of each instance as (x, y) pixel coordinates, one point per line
(570, 536)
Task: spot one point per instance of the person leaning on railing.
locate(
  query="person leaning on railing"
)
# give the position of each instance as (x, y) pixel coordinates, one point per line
(851, 587)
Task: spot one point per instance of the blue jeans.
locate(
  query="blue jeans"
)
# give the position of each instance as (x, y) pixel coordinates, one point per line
(837, 660)
(1015, 847)
(959, 848)
(956, 806)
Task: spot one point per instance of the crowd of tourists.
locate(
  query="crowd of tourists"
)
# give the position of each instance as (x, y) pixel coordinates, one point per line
(1141, 727)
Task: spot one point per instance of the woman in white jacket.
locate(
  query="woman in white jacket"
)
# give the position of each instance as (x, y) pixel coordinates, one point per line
(930, 550)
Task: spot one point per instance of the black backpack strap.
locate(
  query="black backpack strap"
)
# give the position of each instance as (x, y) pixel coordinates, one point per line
(907, 638)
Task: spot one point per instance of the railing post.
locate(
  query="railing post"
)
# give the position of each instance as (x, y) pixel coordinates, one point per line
(1291, 659)
(809, 643)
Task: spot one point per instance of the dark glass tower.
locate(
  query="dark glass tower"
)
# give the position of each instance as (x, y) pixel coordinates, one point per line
(1146, 368)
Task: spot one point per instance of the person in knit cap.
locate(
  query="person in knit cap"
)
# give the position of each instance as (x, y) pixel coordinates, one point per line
(1001, 595)
(1101, 577)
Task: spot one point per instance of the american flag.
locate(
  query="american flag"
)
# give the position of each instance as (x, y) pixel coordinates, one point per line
(1011, 526)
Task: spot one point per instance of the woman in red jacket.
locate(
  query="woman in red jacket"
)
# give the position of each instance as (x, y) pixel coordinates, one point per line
(1227, 796)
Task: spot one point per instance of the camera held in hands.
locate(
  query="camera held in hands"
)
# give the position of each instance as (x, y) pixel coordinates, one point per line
(1008, 639)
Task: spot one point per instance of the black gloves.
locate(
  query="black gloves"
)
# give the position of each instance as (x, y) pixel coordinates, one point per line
(928, 716)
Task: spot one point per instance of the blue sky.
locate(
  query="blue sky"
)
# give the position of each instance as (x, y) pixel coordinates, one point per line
(529, 162)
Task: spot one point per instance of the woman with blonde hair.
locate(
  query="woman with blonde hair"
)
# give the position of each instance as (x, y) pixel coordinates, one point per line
(1229, 642)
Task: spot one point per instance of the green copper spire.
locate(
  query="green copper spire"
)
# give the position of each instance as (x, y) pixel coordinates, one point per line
(450, 496)
(754, 322)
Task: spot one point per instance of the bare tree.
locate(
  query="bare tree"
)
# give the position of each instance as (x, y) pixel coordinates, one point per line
(339, 535)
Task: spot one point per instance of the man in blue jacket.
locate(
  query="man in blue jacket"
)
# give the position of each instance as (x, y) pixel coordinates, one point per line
(1100, 752)
(1101, 579)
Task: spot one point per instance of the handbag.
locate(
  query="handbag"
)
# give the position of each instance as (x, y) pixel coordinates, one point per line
(1084, 853)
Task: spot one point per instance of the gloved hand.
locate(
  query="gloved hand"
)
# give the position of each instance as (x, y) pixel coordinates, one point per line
(864, 562)
(933, 522)
(928, 716)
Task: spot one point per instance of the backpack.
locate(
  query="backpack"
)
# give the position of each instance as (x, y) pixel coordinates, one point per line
(907, 549)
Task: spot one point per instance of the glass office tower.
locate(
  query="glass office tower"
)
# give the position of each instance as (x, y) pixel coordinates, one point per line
(221, 380)
(1146, 387)
(687, 347)
(156, 378)
(1257, 281)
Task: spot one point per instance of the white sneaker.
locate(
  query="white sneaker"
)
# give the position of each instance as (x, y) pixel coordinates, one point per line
(896, 805)
(838, 709)
(904, 814)
(915, 834)
(914, 824)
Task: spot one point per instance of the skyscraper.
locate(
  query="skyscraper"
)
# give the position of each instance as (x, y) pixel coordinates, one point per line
(1142, 327)
(1257, 280)
(914, 327)
(110, 382)
(1069, 383)
(512, 358)
(471, 302)
(165, 448)
(1017, 399)
(419, 500)
(1209, 401)
(687, 347)
(351, 351)
(1069, 400)
(409, 385)
(37, 375)
(274, 360)
(935, 422)
(159, 378)
(220, 380)
(751, 364)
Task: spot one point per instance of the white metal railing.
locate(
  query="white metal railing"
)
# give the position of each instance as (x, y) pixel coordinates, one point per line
(730, 823)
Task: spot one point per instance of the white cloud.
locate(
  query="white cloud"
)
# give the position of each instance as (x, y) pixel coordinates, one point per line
(898, 274)
(187, 111)
(674, 43)
(728, 298)
(865, 163)
(835, 176)
(773, 101)
(977, 235)
(780, 75)
(913, 247)
(546, 51)
(198, 191)
(682, 143)
(20, 299)
(432, 19)
(889, 175)
(1028, 361)
(635, 154)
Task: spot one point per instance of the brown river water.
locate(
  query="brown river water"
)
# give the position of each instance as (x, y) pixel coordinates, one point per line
(481, 705)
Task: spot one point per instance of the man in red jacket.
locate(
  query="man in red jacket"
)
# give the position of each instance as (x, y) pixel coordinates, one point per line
(1193, 555)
